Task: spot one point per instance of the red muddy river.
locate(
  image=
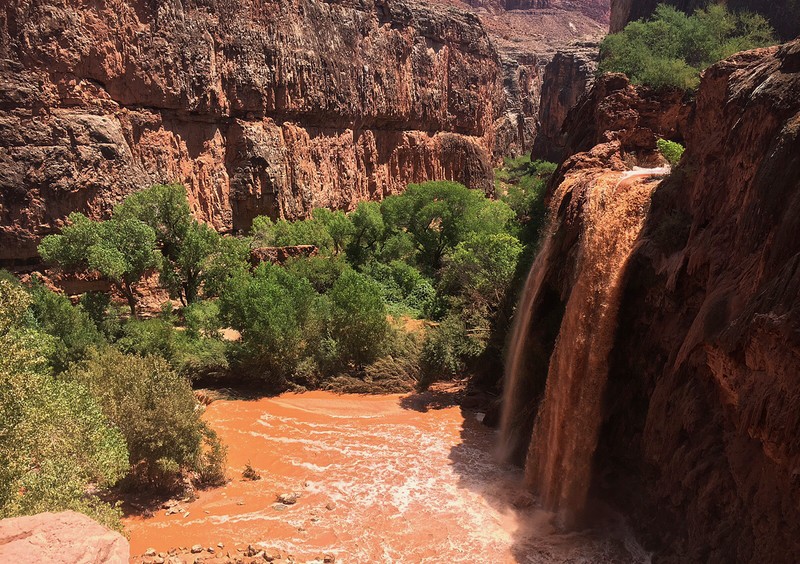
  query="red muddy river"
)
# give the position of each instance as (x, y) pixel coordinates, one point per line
(380, 478)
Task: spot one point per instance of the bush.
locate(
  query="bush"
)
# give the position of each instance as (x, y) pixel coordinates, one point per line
(154, 337)
(54, 441)
(153, 407)
(321, 272)
(73, 330)
(671, 49)
(671, 151)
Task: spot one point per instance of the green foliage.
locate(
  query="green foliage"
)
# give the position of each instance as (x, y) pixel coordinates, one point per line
(670, 150)
(153, 408)
(368, 232)
(276, 313)
(72, 329)
(403, 285)
(672, 48)
(186, 245)
(266, 233)
(447, 349)
(230, 259)
(357, 318)
(338, 225)
(481, 268)
(438, 215)
(322, 272)
(148, 337)
(121, 250)
(54, 441)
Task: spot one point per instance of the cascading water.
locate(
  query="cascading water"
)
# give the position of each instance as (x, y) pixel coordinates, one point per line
(564, 437)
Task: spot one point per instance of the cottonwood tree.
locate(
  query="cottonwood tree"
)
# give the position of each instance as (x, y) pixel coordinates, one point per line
(186, 245)
(120, 250)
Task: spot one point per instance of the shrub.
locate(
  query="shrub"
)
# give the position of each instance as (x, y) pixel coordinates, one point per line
(671, 49)
(73, 330)
(154, 337)
(671, 151)
(54, 440)
(153, 407)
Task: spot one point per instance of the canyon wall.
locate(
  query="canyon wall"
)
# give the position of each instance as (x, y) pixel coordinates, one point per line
(257, 107)
(784, 15)
(698, 430)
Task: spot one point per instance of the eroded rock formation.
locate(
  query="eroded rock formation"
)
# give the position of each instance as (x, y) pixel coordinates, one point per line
(259, 108)
(60, 537)
(698, 438)
(702, 410)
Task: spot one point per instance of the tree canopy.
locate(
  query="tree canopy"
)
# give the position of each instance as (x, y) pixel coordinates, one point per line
(672, 48)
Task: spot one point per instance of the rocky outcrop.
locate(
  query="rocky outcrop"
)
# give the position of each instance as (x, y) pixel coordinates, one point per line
(698, 442)
(64, 538)
(259, 108)
(635, 116)
(784, 15)
(566, 78)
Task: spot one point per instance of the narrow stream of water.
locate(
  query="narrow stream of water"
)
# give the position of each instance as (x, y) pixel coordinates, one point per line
(381, 479)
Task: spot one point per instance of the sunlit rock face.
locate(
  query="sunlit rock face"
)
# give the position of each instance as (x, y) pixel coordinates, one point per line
(60, 537)
(258, 107)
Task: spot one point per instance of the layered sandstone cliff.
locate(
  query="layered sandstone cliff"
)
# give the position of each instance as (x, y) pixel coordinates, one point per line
(258, 108)
(263, 107)
(699, 400)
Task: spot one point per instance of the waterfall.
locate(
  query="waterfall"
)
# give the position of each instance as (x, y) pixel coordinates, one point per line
(564, 437)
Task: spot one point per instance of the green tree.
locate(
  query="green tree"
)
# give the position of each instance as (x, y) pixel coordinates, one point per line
(358, 318)
(481, 268)
(120, 250)
(54, 441)
(438, 215)
(186, 244)
(672, 48)
(368, 232)
(338, 225)
(275, 312)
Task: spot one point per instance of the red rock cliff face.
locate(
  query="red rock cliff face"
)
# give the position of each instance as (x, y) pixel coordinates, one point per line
(700, 442)
(257, 107)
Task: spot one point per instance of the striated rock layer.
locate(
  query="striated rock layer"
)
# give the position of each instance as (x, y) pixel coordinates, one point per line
(701, 388)
(258, 107)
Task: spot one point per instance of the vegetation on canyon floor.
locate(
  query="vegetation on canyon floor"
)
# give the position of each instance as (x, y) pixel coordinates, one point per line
(96, 395)
(672, 48)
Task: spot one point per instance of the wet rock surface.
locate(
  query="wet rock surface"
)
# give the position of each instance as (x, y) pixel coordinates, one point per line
(698, 442)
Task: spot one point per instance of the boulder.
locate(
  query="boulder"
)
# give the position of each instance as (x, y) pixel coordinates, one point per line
(60, 538)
